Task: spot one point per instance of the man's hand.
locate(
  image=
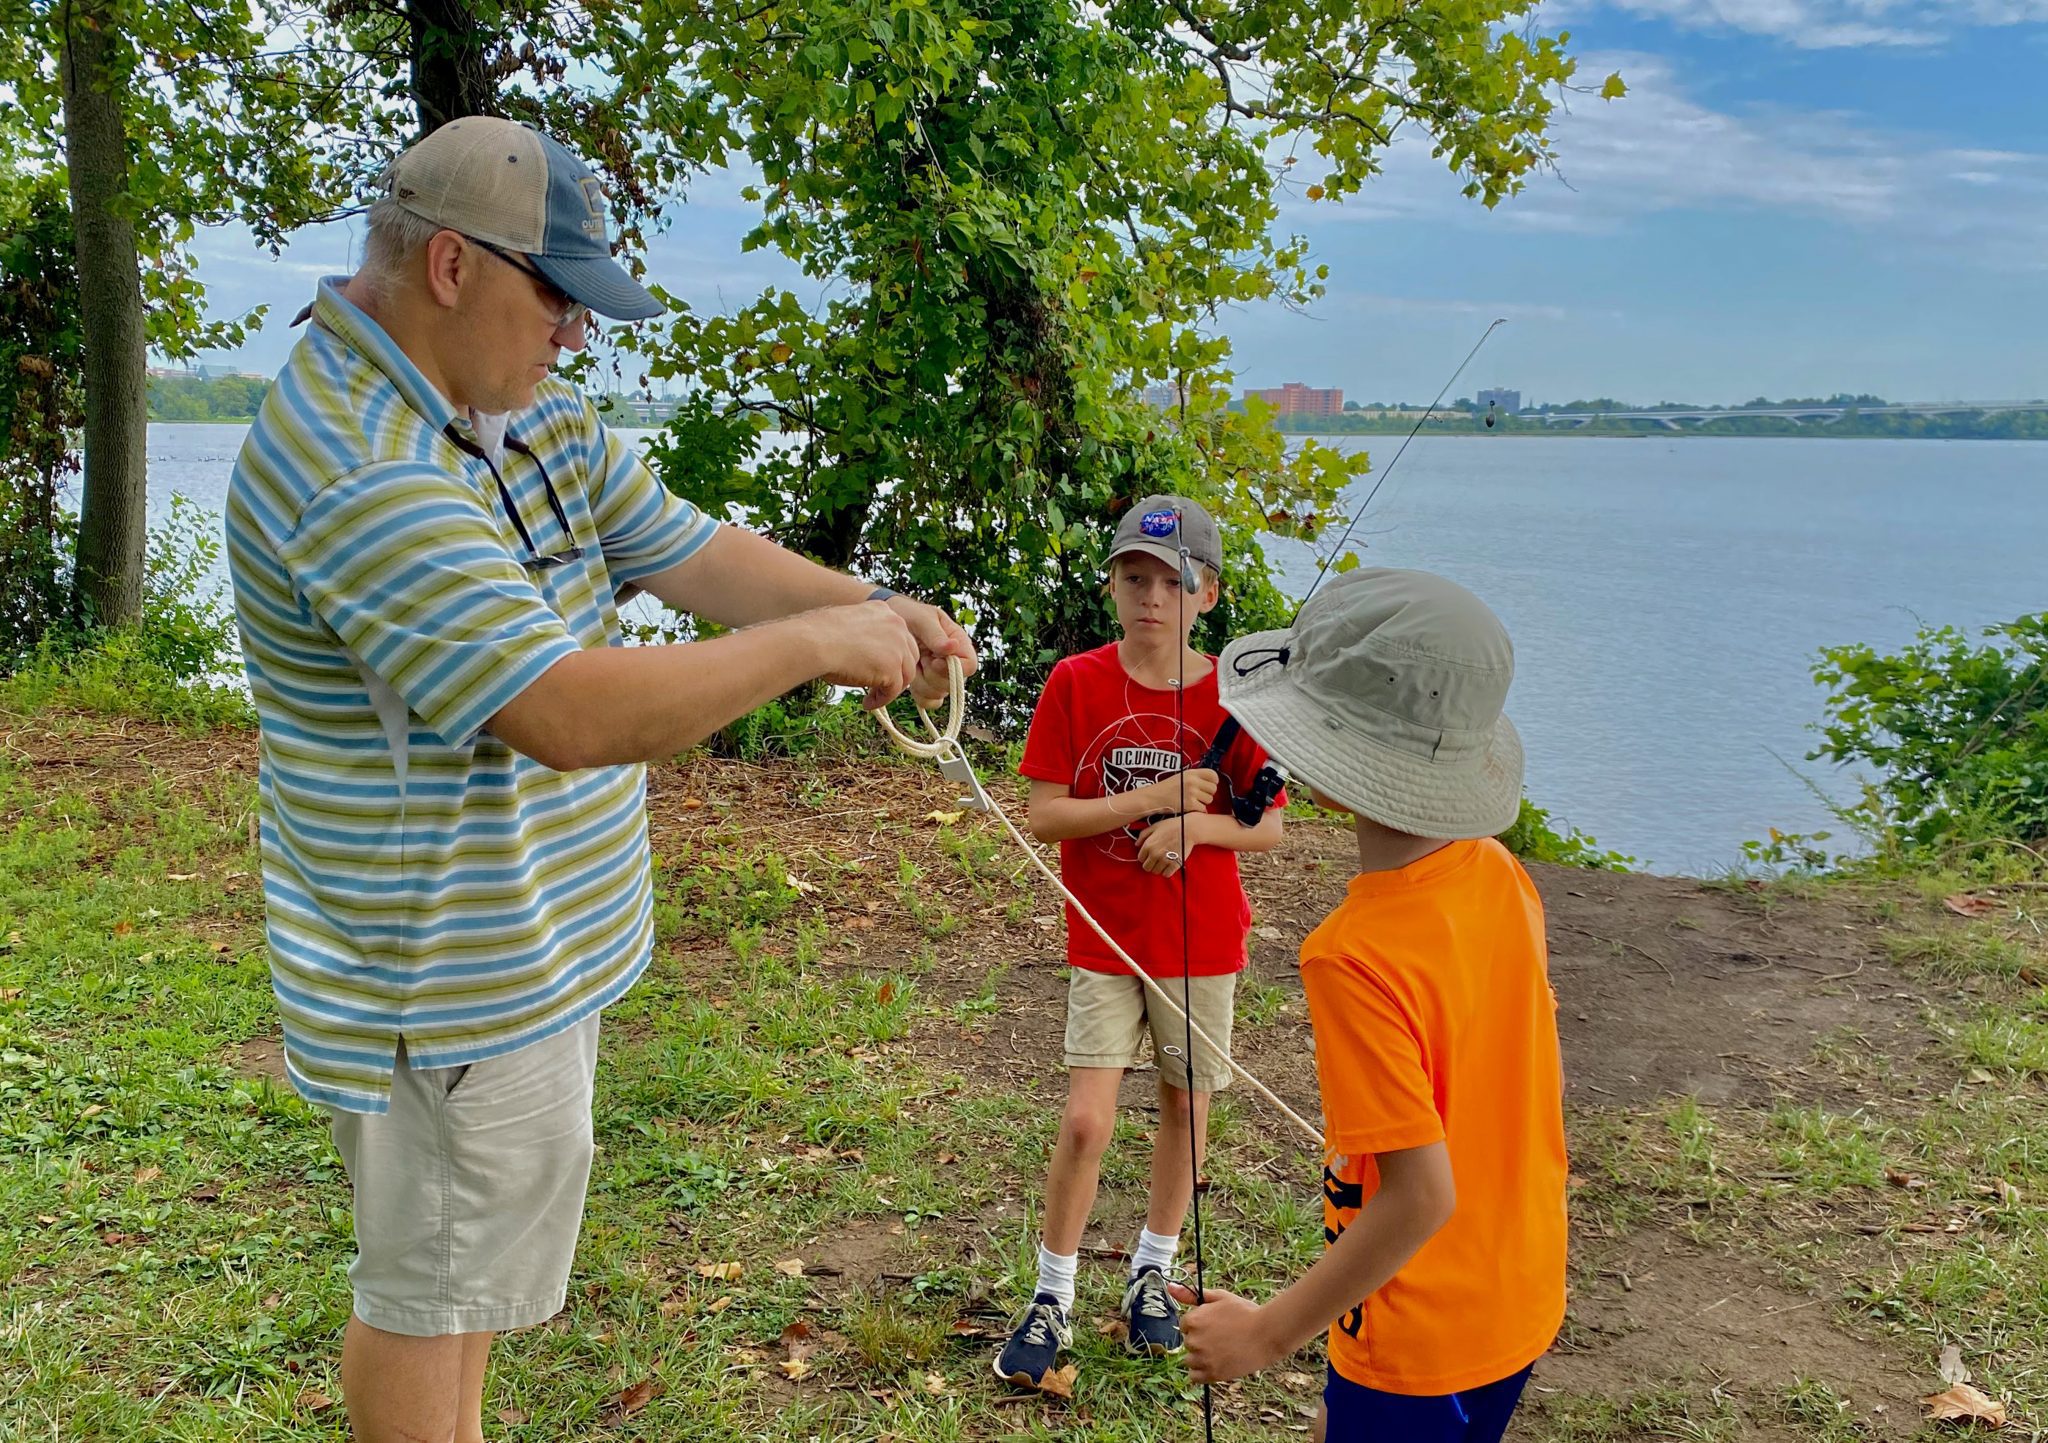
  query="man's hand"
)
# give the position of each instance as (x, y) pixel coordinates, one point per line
(938, 636)
(867, 645)
(1163, 847)
(1226, 1336)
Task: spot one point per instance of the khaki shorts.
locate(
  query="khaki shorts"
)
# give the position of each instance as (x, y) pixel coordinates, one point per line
(1108, 1015)
(469, 1191)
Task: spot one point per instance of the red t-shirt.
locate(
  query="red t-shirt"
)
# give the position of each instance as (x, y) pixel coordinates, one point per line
(1100, 734)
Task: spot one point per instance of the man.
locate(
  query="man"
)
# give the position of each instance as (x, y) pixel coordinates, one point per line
(428, 537)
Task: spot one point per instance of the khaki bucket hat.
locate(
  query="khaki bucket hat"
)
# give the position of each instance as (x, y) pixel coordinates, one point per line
(1386, 695)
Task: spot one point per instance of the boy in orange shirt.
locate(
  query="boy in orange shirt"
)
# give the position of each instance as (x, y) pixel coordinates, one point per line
(1435, 1025)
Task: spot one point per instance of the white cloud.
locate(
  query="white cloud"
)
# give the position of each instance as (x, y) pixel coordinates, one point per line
(1661, 150)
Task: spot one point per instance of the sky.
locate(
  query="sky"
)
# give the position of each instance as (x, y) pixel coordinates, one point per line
(1795, 198)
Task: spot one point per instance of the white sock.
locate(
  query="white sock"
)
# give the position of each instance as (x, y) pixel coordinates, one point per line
(1056, 1275)
(1154, 1250)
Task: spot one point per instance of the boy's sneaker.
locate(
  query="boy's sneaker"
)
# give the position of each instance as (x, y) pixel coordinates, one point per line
(1149, 1313)
(1034, 1348)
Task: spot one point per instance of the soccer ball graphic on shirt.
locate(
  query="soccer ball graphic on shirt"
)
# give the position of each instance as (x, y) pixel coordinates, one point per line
(1135, 751)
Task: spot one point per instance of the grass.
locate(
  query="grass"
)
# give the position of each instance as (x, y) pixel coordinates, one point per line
(177, 1236)
(809, 1130)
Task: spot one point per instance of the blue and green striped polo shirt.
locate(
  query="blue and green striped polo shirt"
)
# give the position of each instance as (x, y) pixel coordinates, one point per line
(422, 880)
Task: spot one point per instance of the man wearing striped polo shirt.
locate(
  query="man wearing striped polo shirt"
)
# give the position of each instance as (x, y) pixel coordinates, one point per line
(429, 537)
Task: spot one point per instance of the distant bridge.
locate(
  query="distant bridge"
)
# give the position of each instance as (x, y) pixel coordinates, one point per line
(1676, 420)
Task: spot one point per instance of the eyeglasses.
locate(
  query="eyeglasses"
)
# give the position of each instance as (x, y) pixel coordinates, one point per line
(574, 313)
(534, 559)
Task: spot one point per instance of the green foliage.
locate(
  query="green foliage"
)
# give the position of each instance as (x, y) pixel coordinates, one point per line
(217, 398)
(41, 405)
(173, 664)
(1535, 838)
(1955, 732)
(1020, 214)
(789, 728)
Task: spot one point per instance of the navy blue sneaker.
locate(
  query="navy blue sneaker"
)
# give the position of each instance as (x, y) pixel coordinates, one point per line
(1034, 1348)
(1149, 1313)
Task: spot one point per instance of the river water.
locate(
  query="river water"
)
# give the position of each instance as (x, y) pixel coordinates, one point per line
(1666, 597)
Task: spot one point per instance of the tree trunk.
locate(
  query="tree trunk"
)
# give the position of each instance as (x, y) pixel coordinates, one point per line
(450, 75)
(111, 530)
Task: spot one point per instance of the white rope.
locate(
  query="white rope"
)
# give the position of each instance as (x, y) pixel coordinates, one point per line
(945, 747)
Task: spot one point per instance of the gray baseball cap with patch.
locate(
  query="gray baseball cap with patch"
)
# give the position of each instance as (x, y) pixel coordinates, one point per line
(1160, 525)
(506, 183)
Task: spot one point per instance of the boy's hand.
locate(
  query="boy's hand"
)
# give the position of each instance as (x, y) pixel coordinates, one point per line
(1225, 1335)
(1191, 791)
(1162, 847)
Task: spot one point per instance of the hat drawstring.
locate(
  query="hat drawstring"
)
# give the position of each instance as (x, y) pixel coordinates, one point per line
(1267, 656)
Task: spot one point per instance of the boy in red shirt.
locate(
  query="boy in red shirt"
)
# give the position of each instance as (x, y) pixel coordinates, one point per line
(1435, 1025)
(1114, 756)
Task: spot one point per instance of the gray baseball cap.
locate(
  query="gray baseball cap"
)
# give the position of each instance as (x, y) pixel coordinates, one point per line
(1160, 525)
(506, 183)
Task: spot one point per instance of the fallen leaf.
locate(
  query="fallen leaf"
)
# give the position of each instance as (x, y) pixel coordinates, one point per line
(967, 1328)
(1271, 934)
(791, 1268)
(148, 1174)
(122, 929)
(674, 1306)
(181, 876)
(1979, 1076)
(885, 994)
(794, 1369)
(719, 1305)
(690, 804)
(1297, 1380)
(1905, 1180)
(209, 1193)
(935, 1384)
(1951, 1366)
(944, 819)
(724, 1272)
(632, 1400)
(2004, 1191)
(1964, 1402)
(511, 1417)
(8, 994)
(1969, 904)
(315, 1401)
(1115, 1329)
(1059, 1381)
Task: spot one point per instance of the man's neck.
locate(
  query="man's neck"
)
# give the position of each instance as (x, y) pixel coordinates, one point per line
(394, 321)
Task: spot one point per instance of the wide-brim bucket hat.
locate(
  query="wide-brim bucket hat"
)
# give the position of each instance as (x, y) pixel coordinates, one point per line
(1387, 696)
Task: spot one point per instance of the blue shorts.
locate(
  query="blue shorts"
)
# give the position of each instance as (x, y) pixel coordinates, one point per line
(1359, 1414)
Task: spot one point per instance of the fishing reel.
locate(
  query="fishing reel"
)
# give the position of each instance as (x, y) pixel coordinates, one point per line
(1249, 806)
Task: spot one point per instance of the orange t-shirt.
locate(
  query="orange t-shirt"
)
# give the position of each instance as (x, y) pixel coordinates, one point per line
(1434, 1022)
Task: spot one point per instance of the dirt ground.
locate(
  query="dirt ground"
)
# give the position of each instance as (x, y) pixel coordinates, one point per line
(1667, 987)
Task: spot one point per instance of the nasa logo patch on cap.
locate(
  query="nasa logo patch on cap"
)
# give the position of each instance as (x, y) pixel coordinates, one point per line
(1157, 523)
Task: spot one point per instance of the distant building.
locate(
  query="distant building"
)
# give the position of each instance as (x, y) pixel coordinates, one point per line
(1508, 401)
(1295, 399)
(1165, 398)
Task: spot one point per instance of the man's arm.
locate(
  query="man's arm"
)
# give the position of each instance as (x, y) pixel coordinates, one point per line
(609, 705)
(1160, 848)
(738, 578)
(1228, 1336)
